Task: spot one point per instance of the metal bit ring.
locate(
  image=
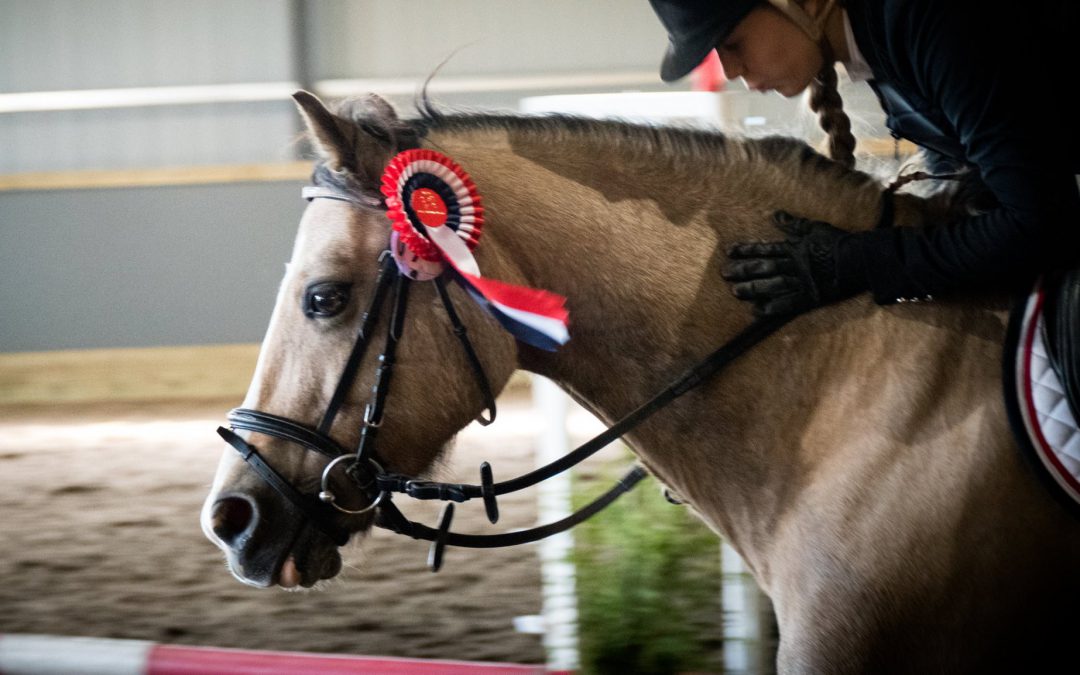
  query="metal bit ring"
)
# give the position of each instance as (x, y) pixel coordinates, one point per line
(328, 497)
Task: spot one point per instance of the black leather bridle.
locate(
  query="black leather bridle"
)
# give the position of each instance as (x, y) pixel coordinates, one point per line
(366, 469)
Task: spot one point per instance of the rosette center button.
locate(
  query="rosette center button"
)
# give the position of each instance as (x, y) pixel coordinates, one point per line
(429, 207)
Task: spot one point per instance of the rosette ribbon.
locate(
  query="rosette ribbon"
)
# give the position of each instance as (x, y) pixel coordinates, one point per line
(438, 218)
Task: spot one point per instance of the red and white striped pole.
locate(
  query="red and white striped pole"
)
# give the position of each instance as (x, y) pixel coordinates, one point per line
(56, 655)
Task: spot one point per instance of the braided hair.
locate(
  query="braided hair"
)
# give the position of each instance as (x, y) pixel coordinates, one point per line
(826, 102)
(824, 97)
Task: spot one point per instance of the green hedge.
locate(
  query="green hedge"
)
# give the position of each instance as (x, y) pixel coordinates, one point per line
(648, 584)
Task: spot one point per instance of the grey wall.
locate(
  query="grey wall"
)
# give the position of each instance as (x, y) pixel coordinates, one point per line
(54, 45)
(395, 38)
(49, 45)
(142, 266)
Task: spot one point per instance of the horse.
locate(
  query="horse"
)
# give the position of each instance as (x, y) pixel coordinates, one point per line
(859, 458)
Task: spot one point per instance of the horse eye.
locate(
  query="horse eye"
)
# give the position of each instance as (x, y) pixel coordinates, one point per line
(326, 299)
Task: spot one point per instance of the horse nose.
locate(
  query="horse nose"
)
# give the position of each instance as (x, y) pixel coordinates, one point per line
(232, 517)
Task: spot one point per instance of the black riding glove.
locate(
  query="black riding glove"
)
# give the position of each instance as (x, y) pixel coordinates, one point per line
(814, 266)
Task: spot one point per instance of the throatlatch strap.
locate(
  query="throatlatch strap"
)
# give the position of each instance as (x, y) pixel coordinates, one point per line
(474, 360)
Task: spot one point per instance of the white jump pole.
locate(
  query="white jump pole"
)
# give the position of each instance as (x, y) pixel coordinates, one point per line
(557, 571)
(748, 619)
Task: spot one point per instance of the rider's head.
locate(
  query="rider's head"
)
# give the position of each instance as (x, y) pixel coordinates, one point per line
(776, 45)
(772, 44)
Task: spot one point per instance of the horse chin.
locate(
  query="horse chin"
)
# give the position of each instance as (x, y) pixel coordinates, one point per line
(313, 558)
(309, 559)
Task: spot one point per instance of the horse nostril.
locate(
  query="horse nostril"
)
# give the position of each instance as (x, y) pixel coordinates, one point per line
(230, 518)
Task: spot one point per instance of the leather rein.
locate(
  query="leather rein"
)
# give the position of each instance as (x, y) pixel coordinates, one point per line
(366, 469)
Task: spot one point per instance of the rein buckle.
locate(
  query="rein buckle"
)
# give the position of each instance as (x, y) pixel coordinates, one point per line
(447, 492)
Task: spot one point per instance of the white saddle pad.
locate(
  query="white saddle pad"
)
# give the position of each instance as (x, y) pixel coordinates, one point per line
(1043, 407)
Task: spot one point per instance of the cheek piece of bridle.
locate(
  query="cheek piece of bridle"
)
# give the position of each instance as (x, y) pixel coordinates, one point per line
(366, 469)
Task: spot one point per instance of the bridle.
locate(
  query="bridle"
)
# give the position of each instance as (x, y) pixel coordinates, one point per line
(366, 469)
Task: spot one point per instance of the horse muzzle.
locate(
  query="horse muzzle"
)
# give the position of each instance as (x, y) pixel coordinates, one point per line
(266, 540)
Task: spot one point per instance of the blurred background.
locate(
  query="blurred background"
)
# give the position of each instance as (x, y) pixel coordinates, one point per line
(112, 110)
(150, 174)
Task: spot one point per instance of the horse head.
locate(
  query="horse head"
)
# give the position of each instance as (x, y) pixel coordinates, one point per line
(326, 304)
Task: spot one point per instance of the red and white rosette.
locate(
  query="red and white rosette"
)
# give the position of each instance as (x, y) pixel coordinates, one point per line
(438, 219)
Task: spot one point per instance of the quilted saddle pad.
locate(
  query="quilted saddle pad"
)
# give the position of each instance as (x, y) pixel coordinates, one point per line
(1038, 409)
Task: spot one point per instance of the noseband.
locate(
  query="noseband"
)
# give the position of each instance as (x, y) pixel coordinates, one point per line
(365, 468)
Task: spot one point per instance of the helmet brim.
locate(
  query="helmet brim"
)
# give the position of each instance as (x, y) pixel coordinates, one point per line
(694, 29)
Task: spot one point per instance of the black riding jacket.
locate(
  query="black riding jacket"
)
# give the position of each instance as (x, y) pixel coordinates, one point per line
(983, 83)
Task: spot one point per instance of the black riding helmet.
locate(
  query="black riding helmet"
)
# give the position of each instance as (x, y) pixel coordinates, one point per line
(694, 28)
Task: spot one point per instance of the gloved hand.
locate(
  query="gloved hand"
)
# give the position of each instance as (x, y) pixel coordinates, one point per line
(803, 272)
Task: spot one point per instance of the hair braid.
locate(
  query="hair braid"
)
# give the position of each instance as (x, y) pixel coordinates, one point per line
(826, 102)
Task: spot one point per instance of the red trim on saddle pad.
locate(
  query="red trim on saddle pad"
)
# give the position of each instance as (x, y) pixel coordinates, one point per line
(1039, 411)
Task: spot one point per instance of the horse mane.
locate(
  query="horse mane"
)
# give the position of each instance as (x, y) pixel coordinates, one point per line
(680, 147)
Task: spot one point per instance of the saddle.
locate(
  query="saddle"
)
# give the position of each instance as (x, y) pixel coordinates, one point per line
(1042, 381)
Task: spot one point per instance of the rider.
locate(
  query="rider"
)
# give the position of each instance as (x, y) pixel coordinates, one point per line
(981, 85)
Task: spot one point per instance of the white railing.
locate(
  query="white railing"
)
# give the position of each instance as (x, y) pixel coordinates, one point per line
(136, 97)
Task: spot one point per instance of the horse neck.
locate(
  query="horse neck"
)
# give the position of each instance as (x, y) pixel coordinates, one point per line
(636, 246)
(636, 243)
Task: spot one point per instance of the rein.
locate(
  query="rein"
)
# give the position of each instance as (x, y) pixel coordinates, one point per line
(365, 468)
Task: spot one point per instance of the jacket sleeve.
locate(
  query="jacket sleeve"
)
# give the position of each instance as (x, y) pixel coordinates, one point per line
(965, 65)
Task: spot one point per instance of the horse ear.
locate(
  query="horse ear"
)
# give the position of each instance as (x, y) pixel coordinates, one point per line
(327, 131)
(359, 136)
